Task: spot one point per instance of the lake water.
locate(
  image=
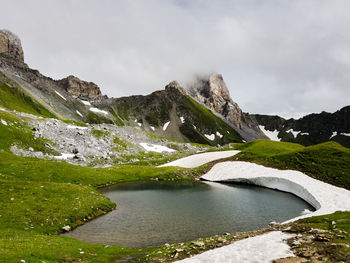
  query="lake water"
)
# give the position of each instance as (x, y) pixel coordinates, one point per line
(150, 214)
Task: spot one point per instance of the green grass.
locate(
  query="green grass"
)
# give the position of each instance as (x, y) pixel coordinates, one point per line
(13, 98)
(99, 133)
(337, 229)
(38, 197)
(328, 162)
(208, 121)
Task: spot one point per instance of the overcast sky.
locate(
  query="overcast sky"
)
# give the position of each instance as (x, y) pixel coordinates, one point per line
(276, 56)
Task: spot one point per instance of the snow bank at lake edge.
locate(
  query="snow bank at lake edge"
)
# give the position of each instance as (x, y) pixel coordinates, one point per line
(324, 197)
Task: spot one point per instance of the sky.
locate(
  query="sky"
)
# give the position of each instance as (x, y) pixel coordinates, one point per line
(285, 57)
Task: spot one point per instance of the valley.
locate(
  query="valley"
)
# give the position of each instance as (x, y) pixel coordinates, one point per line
(62, 143)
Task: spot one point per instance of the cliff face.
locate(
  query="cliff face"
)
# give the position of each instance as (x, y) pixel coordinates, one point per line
(11, 45)
(80, 88)
(213, 93)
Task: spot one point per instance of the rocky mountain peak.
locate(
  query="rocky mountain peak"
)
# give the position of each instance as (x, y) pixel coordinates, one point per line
(213, 93)
(11, 45)
(80, 88)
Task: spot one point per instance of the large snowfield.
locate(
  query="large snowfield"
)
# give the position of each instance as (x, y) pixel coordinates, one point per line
(325, 198)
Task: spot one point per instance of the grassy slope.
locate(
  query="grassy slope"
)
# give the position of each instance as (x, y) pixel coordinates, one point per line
(13, 98)
(328, 162)
(208, 120)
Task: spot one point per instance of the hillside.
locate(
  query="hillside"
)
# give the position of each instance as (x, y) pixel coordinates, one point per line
(310, 129)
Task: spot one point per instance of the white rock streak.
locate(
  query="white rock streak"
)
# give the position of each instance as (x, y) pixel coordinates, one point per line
(324, 197)
(260, 249)
(272, 135)
(60, 95)
(155, 147)
(200, 159)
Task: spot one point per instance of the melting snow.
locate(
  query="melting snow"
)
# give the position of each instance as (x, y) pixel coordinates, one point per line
(345, 134)
(152, 128)
(263, 248)
(4, 122)
(295, 133)
(139, 124)
(96, 110)
(156, 148)
(166, 125)
(210, 137)
(304, 133)
(272, 135)
(324, 197)
(64, 156)
(200, 159)
(219, 134)
(81, 115)
(182, 119)
(60, 95)
(194, 127)
(86, 102)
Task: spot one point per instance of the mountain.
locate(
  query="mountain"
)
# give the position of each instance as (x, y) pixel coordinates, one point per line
(212, 92)
(170, 113)
(309, 130)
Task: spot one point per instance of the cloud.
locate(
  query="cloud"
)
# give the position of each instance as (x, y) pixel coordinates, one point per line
(287, 57)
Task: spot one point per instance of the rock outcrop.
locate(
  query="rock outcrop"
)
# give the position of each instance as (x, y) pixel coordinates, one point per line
(213, 93)
(80, 88)
(11, 45)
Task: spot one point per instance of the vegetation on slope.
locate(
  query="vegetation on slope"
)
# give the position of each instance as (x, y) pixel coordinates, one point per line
(328, 162)
(13, 98)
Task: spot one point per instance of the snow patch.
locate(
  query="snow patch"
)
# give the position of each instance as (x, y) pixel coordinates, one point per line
(96, 110)
(210, 137)
(182, 119)
(86, 103)
(324, 197)
(295, 133)
(333, 135)
(60, 95)
(81, 115)
(152, 128)
(76, 127)
(64, 156)
(166, 125)
(139, 124)
(4, 122)
(304, 133)
(155, 148)
(219, 134)
(194, 127)
(272, 135)
(200, 159)
(345, 134)
(263, 248)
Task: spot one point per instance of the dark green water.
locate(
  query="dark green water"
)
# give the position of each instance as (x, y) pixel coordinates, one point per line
(150, 214)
